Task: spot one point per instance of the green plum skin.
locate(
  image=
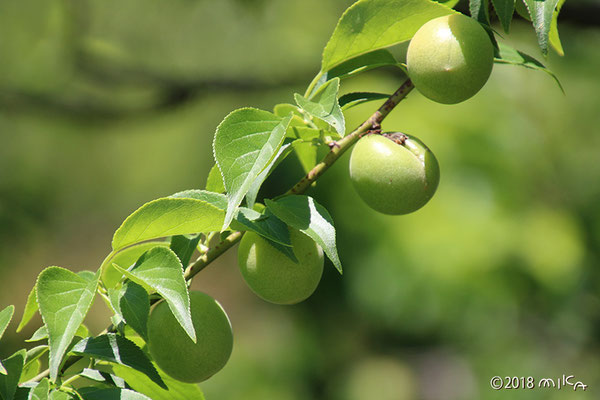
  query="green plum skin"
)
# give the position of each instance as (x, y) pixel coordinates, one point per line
(273, 276)
(450, 58)
(173, 350)
(393, 178)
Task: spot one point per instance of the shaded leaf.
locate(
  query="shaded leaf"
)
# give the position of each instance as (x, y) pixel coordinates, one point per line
(64, 299)
(480, 11)
(117, 349)
(176, 390)
(9, 381)
(354, 66)
(184, 246)
(350, 100)
(159, 270)
(133, 305)
(509, 55)
(324, 105)
(104, 377)
(308, 216)
(42, 333)
(245, 143)
(505, 10)
(283, 152)
(374, 24)
(30, 309)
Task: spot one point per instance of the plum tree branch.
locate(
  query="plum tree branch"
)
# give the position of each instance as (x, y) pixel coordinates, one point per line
(337, 149)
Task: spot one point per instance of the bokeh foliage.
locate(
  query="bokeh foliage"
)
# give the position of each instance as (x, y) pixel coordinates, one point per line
(105, 105)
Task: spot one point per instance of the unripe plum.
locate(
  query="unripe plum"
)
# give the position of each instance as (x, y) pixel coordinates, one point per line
(273, 276)
(394, 174)
(450, 58)
(173, 350)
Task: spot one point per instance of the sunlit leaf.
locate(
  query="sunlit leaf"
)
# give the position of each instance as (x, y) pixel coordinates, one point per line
(64, 299)
(126, 258)
(214, 182)
(93, 393)
(40, 391)
(374, 24)
(167, 217)
(160, 270)
(245, 143)
(283, 152)
(542, 13)
(142, 384)
(30, 309)
(324, 105)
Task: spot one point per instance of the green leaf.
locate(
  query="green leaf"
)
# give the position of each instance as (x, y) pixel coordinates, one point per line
(117, 349)
(58, 395)
(268, 226)
(167, 217)
(133, 305)
(64, 299)
(176, 390)
(307, 154)
(32, 363)
(159, 270)
(9, 381)
(553, 34)
(245, 143)
(354, 66)
(214, 182)
(350, 100)
(324, 105)
(40, 391)
(479, 10)
(5, 317)
(509, 55)
(504, 10)
(30, 309)
(42, 333)
(104, 377)
(283, 152)
(375, 24)
(126, 258)
(542, 12)
(308, 216)
(94, 393)
(184, 246)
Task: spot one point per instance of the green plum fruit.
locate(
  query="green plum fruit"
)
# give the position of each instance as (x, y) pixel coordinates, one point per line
(450, 58)
(394, 173)
(273, 276)
(173, 350)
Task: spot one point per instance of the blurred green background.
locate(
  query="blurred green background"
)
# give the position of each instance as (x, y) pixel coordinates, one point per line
(106, 104)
